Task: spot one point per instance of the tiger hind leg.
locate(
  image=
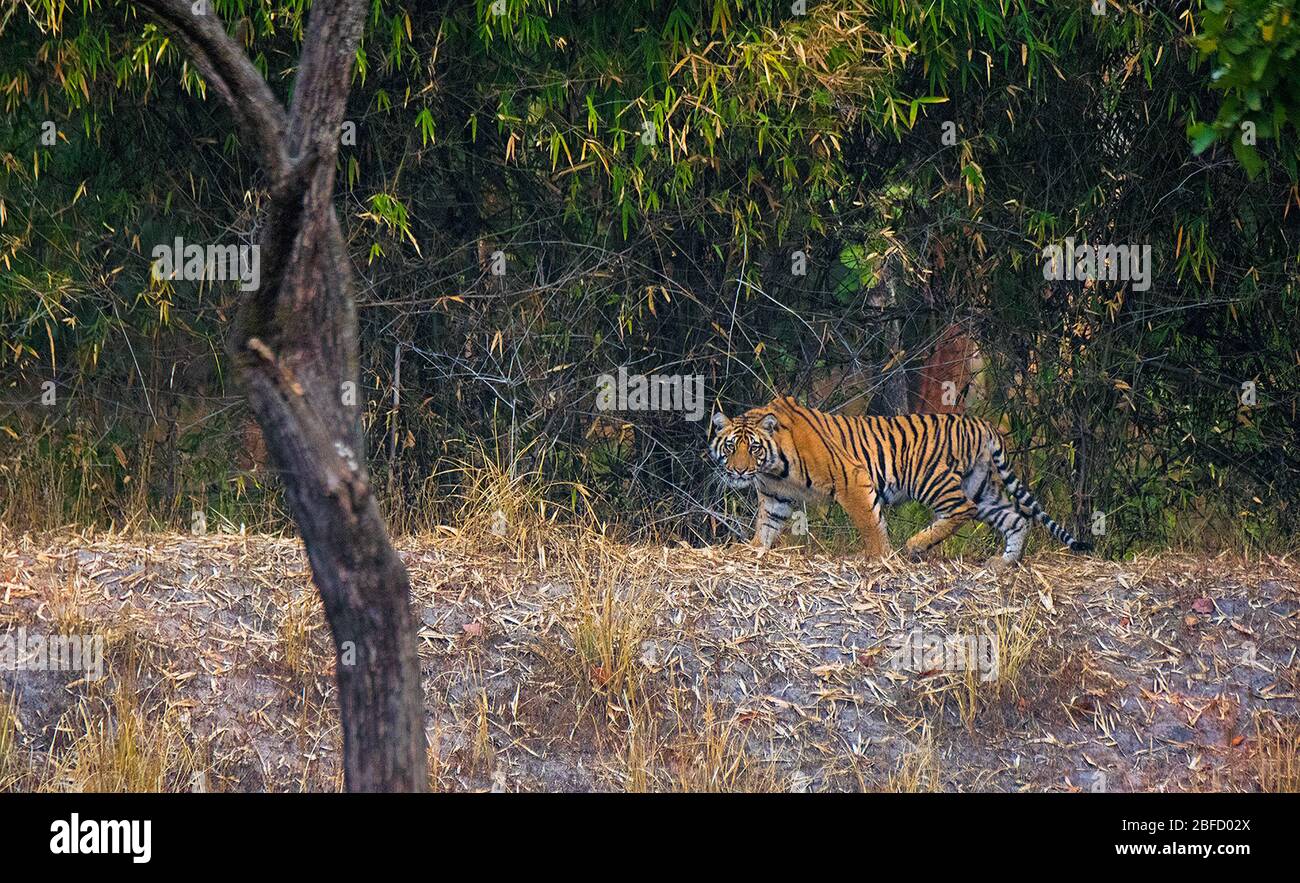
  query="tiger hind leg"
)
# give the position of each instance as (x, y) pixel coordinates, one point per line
(1004, 517)
(947, 521)
(993, 507)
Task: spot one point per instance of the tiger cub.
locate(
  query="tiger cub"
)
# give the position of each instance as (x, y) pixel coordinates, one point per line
(952, 463)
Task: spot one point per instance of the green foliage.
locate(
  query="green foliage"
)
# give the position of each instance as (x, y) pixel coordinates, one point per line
(648, 168)
(1252, 46)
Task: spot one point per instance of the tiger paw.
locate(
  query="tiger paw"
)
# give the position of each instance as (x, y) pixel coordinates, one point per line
(1000, 565)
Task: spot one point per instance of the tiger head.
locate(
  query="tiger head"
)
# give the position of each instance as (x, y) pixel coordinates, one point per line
(746, 447)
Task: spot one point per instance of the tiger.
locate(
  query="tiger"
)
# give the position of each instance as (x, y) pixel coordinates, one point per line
(954, 464)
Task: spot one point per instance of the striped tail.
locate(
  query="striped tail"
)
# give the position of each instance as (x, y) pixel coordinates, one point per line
(1029, 504)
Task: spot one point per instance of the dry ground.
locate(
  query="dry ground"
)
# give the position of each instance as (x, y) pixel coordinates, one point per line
(579, 664)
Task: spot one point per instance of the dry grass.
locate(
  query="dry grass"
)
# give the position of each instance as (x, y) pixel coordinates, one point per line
(122, 748)
(9, 759)
(556, 658)
(1278, 755)
(711, 754)
(507, 502)
(299, 648)
(604, 621)
(917, 770)
(1012, 633)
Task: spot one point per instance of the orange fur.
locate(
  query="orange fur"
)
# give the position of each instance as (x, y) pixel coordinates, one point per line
(955, 464)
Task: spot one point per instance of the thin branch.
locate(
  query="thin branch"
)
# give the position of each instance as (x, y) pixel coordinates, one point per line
(227, 68)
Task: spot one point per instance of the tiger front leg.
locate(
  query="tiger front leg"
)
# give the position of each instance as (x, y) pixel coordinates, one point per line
(863, 506)
(773, 513)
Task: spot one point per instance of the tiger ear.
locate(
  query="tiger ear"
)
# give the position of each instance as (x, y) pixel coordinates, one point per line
(719, 421)
(770, 423)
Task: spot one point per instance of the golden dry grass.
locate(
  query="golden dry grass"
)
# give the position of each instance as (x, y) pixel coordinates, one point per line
(917, 770)
(1278, 754)
(9, 759)
(120, 747)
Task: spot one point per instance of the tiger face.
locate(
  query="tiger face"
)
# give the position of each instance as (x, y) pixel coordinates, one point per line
(745, 448)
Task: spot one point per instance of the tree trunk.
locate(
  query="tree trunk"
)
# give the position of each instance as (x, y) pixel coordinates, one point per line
(946, 375)
(891, 385)
(294, 348)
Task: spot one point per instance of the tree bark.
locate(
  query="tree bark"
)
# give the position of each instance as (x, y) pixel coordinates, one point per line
(948, 363)
(891, 387)
(294, 349)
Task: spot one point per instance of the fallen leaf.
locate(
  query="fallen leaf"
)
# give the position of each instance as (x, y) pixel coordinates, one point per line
(868, 657)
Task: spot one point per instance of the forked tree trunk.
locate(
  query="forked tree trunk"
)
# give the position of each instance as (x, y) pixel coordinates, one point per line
(294, 347)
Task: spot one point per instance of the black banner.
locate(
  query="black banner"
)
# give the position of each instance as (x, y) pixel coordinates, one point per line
(141, 833)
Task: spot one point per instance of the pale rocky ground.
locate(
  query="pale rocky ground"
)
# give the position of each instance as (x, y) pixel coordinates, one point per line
(578, 664)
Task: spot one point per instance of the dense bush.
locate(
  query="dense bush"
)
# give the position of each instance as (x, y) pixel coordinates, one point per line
(649, 173)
